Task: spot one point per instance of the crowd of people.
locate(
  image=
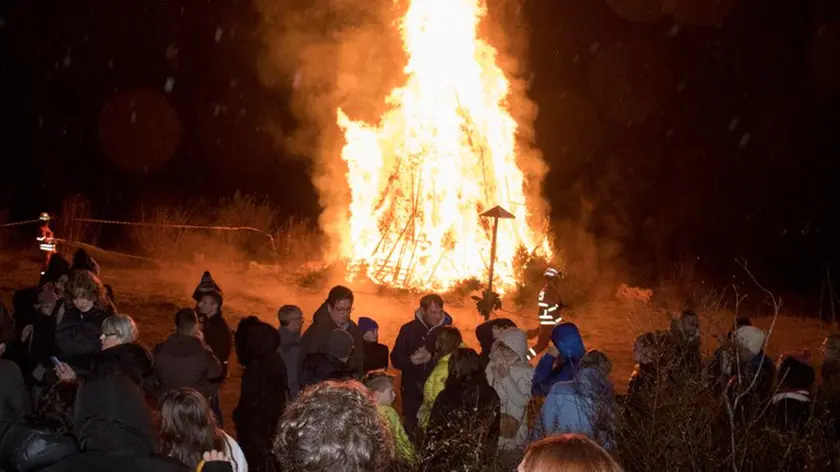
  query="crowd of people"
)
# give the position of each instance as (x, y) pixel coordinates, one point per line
(79, 392)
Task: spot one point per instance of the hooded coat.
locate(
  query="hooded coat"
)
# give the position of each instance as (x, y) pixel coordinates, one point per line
(184, 361)
(413, 335)
(514, 389)
(584, 405)
(263, 391)
(566, 338)
(317, 335)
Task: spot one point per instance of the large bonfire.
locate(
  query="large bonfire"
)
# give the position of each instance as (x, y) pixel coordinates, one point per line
(443, 153)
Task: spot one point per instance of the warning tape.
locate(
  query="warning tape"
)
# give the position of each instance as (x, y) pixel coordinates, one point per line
(19, 223)
(157, 225)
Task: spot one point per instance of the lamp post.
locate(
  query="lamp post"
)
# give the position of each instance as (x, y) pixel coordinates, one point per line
(490, 298)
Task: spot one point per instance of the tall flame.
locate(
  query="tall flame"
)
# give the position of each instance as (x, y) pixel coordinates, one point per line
(443, 153)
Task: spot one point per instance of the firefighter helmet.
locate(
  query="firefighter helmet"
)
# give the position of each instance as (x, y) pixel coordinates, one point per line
(552, 272)
(45, 216)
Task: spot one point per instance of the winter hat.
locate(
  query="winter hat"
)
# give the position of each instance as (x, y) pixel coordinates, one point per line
(340, 344)
(750, 337)
(205, 286)
(367, 324)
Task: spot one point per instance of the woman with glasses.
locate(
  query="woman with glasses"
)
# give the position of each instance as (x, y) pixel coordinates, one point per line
(120, 352)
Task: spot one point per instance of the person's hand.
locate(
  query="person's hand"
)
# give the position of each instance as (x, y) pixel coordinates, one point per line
(552, 349)
(421, 356)
(65, 373)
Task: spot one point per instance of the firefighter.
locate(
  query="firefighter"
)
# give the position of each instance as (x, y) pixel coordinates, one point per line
(46, 241)
(549, 306)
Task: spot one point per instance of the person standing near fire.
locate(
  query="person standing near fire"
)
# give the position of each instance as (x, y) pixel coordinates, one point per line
(46, 241)
(549, 306)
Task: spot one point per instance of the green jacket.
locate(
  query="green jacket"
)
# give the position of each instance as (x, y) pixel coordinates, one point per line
(434, 385)
(405, 449)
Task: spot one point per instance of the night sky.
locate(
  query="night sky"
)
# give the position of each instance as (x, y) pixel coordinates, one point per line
(697, 131)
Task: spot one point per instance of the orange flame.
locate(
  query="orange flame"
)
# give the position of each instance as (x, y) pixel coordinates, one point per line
(441, 155)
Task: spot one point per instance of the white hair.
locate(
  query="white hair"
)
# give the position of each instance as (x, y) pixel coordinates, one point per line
(122, 326)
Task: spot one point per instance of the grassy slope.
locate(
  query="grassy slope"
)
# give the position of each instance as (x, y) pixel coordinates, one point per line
(152, 294)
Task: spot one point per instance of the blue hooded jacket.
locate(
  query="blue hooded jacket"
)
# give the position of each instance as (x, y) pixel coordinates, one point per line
(566, 337)
(584, 405)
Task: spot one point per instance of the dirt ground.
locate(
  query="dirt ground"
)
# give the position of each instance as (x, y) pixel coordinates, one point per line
(152, 293)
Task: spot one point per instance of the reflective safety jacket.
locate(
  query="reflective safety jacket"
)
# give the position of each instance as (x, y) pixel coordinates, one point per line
(549, 303)
(46, 240)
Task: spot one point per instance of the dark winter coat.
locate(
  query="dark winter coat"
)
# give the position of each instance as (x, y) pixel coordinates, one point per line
(218, 335)
(131, 360)
(318, 367)
(411, 337)
(290, 350)
(77, 336)
(376, 356)
(14, 397)
(111, 416)
(184, 361)
(316, 338)
(263, 392)
(472, 408)
(26, 448)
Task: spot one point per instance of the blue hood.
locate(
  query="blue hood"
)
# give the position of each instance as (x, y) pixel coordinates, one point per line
(566, 337)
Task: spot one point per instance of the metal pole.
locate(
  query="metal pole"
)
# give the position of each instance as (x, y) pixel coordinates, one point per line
(493, 252)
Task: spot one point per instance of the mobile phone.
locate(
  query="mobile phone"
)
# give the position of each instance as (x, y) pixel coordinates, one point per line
(55, 361)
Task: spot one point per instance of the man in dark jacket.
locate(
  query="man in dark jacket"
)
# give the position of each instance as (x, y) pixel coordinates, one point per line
(334, 314)
(184, 360)
(263, 391)
(413, 353)
(290, 318)
(332, 365)
(218, 336)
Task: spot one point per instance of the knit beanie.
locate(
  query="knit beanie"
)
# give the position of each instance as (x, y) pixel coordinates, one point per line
(367, 324)
(340, 344)
(205, 286)
(750, 337)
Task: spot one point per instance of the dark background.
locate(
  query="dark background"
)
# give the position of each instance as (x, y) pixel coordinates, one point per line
(697, 132)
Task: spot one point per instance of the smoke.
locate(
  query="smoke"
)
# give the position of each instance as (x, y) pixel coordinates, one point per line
(348, 54)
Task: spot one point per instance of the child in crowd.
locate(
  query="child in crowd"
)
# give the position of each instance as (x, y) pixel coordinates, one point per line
(381, 384)
(376, 353)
